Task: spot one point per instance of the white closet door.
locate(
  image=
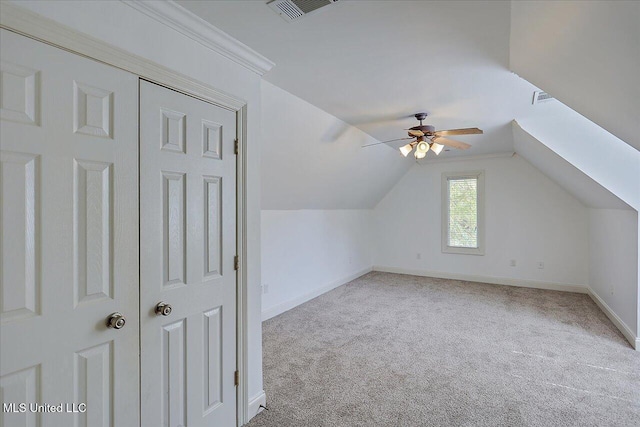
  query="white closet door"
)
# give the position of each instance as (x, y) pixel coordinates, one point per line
(69, 242)
(188, 244)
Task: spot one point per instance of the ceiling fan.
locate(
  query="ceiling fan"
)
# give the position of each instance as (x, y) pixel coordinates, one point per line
(425, 133)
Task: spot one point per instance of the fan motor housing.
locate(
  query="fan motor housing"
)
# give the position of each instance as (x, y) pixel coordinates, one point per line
(426, 129)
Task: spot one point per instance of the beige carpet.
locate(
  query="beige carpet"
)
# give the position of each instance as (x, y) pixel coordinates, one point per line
(397, 350)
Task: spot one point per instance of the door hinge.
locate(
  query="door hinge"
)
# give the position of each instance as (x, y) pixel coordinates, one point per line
(236, 262)
(235, 147)
(236, 378)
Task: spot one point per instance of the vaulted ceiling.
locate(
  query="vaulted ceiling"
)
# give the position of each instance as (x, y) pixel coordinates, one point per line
(586, 54)
(375, 63)
(582, 186)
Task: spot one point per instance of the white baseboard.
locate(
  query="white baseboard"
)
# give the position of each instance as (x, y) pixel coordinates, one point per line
(615, 319)
(582, 289)
(294, 302)
(255, 402)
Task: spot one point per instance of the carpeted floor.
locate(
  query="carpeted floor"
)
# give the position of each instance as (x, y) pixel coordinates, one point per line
(396, 350)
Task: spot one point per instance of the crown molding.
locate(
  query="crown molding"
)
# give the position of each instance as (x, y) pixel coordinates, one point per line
(187, 23)
(23, 21)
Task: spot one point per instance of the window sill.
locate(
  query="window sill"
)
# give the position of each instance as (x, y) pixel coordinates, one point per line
(462, 251)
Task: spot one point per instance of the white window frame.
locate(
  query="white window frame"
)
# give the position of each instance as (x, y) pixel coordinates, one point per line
(446, 176)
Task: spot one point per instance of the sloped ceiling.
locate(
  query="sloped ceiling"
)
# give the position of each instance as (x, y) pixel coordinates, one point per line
(605, 158)
(312, 160)
(586, 54)
(567, 176)
(373, 64)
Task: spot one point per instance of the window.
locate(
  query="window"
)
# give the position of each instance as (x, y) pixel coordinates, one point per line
(463, 213)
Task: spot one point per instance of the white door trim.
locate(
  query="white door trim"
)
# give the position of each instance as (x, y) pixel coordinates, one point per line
(32, 25)
(242, 329)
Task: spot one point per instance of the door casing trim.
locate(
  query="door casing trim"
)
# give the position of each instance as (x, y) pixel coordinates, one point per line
(37, 27)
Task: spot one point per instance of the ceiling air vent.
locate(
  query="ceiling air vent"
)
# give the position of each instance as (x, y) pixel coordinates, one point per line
(290, 10)
(540, 96)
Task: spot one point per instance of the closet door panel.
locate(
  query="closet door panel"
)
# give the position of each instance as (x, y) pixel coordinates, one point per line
(69, 247)
(188, 243)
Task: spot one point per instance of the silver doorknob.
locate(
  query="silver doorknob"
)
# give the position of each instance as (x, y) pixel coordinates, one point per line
(116, 321)
(163, 309)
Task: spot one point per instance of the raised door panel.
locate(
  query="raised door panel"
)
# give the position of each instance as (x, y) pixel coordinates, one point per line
(213, 223)
(20, 93)
(20, 390)
(19, 245)
(94, 386)
(174, 374)
(92, 110)
(211, 139)
(212, 358)
(174, 228)
(173, 131)
(93, 230)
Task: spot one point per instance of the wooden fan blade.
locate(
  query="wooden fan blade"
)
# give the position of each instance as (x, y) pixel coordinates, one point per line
(451, 143)
(384, 142)
(416, 132)
(466, 131)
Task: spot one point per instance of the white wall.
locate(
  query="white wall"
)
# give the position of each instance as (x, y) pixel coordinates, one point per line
(312, 168)
(613, 261)
(122, 26)
(584, 53)
(317, 186)
(313, 160)
(529, 218)
(308, 252)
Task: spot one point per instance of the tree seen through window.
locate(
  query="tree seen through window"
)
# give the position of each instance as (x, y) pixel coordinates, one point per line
(463, 212)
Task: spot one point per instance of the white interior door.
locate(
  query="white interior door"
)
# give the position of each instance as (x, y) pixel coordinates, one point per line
(69, 242)
(188, 244)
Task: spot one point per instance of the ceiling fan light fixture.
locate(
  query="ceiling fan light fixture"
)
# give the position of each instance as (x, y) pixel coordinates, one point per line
(428, 138)
(422, 146)
(406, 149)
(436, 148)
